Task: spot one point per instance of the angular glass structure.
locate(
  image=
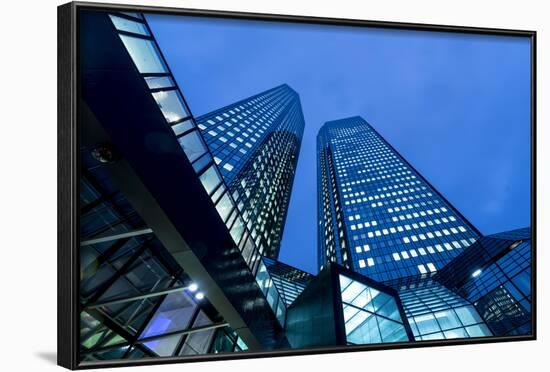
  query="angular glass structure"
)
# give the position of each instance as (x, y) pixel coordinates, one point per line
(495, 275)
(289, 280)
(377, 214)
(170, 265)
(255, 142)
(342, 307)
(370, 315)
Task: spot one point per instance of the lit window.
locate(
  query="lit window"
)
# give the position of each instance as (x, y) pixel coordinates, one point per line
(228, 166)
(362, 263)
(422, 269)
(370, 261)
(431, 267)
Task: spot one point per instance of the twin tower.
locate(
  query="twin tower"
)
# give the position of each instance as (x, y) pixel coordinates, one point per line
(377, 217)
(181, 220)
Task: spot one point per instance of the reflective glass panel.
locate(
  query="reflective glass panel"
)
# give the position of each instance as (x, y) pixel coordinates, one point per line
(164, 346)
(157, 82)
(124, 24)
(224, 206)
(174, 314)
(182, 127)
(370, 316)
(210, 179)
(170, 104)
(145, 55)
(192, 145)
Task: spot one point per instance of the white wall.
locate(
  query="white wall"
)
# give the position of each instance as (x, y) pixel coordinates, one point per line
(28, 186)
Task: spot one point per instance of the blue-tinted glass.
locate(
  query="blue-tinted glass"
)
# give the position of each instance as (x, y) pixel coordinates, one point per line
(426, 323)
(164, 346)
(145, 55)
(468, 315)
(210, 179)
(388, 308)
(523, 282)
(192, 145)
(202, 162)
(198, 342)
(171, 105)
(253, 141)
(479, 330)
(434, 336)
(132, 14)
(157, 82)
(174, 314)
(237, 230)
(361, 306)
(224, 206)
(363, 329)
(262, 278)
(124, 24)
(456, 333)
(182, 127)
(392, 331)
(447, 319)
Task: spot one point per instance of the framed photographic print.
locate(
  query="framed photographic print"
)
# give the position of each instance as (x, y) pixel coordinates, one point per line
(236, 185)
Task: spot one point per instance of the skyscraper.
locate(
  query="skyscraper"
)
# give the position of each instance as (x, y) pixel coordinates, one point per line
(379, 217)
(169, 264)
(377, 214)
(255, 143)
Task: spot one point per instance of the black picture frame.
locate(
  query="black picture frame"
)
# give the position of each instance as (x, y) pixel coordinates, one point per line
(68, 177)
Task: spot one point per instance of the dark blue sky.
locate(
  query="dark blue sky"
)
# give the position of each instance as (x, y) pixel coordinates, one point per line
(457, 107)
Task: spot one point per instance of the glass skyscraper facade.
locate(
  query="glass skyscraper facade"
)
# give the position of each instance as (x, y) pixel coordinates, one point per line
(379, 217)
(289, 280)
(494, 274)
(256, 142)
(377, 214)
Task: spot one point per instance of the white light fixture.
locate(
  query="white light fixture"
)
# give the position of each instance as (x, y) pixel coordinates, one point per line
(199, 296)
(193, 287)
(476, 273)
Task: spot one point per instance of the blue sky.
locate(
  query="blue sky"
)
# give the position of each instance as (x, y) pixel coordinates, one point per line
(457, 107)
